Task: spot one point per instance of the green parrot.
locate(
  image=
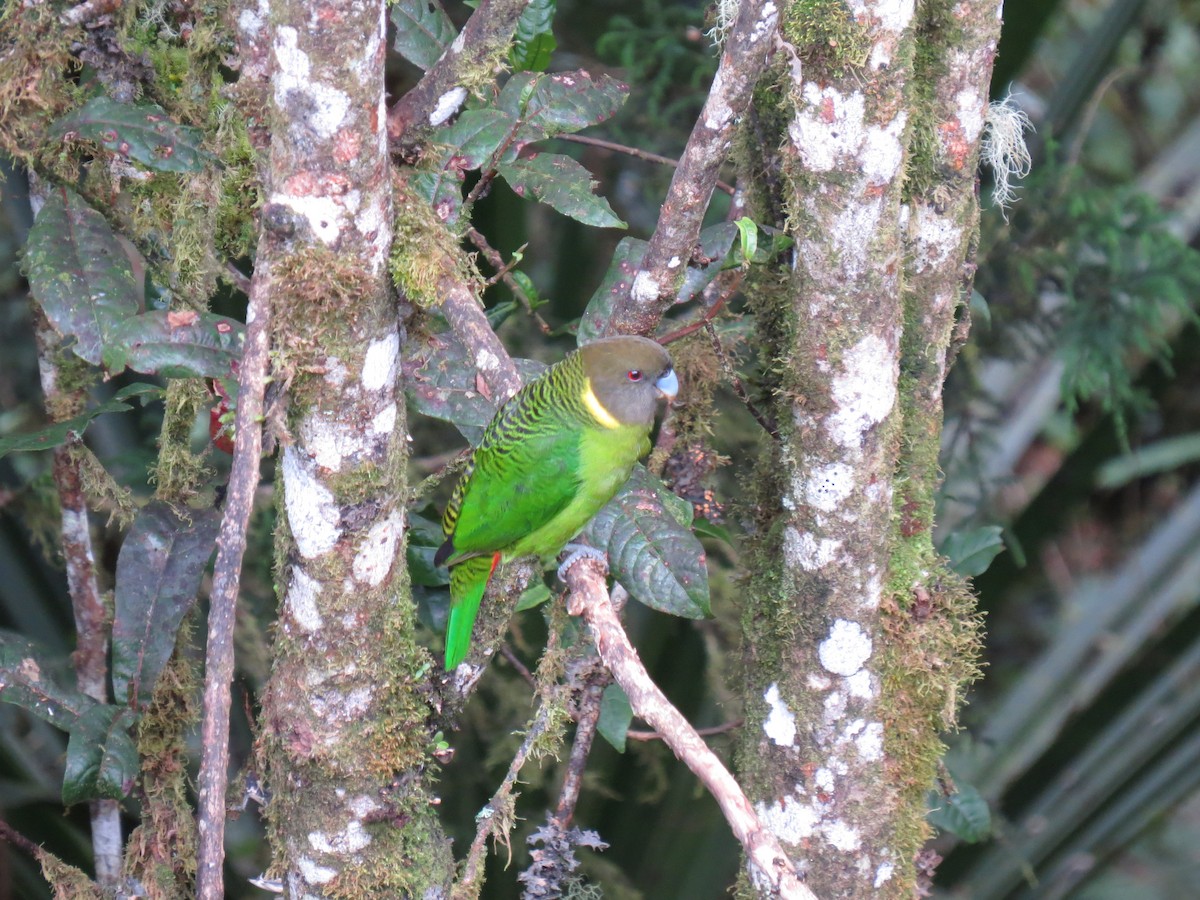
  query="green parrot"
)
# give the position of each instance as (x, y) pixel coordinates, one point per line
(554, 454)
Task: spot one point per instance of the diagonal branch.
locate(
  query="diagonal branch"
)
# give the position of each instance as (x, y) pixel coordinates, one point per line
(657, 281)
(769, 866)
(440, 94)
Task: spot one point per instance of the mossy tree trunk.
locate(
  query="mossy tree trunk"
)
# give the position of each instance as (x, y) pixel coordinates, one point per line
(858, 639)
(341, 715)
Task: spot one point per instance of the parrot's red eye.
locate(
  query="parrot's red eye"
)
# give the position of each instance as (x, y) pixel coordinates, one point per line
(634, 375)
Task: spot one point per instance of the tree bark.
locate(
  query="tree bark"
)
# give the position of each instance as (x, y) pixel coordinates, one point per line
(851, 668)
(341, 715)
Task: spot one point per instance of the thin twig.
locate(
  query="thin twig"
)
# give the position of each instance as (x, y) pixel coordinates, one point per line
(657, 281)
(231, 546)
(14, 837)
(471, 327)
(515, 661)
(91, 617)
(769, 864)
(634, 152)
(712, 730)
(711, 313)
(595, 681)
(738, 388)
(503, 270)
(237, 278)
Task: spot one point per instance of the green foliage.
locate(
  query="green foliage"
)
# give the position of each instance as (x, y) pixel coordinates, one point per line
(1102, 276)
(533, 42)
(423, 31)
(142, 132)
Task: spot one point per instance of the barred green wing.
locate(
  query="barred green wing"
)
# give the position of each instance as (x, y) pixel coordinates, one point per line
(526, 469)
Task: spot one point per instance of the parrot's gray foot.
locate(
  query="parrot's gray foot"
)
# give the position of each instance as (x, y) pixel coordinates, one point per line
(576, 552)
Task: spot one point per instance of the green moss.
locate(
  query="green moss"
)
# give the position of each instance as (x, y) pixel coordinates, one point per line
(826, 37)
(179, 473)
(424, 251)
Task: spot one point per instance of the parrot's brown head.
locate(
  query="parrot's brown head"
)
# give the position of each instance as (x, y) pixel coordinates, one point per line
(626, 376)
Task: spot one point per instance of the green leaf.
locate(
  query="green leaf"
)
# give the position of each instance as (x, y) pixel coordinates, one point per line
(964, 814)
(534, 595)
(177, 344)
(562, 183)
(730, 245)
(533, 41)
(650, 551)
(971, 552)
(51, 437)
(142, 132)
(26, 671)
(616, 284)
(102, 759)
(79, 273)
(546, 105)
(1161, 456)
(441, 382)
(158, 573)
(748, 235)
(423, 31)
(615, 716)
(465, 144)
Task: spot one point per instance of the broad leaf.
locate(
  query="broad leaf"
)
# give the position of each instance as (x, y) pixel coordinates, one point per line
(142, 132)
(729, 245)
(158, 574)
(26, 680)
(466, 144)
(79, 273)
(177, 344)
(651, 550)
(561, 103)
(51, 437)
(423, 31)
(562, 183)
(533, 42)
(615, 716)
(616, 284)
(964, 814)
(442, 383)
(102, 759)
(971, 552)
(424, 538)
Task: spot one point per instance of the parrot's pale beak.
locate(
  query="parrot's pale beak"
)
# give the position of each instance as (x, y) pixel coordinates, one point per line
(668, 384)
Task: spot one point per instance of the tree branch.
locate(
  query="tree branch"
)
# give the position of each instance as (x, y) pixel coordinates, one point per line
(231, 546)
(440, 94)
(657, 281)
(769, 866)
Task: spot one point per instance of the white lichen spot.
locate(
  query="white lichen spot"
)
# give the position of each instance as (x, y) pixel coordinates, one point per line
(824, 780)
(325, 215)
(780, 724)
(884, 874)
(315, 105)
(872, 588)
(971, 109)
(362, 805)
(853, 233)
(765, 26)
(717, 113)
(301, 600)
(892, 15)
(861, 685)
(447, 105)
(311, 510)
(829, 128)
(870, 742)
(842, 836)
(790, 822)
(846, 648)
(351, 839)
(805, 551)
(313, 873)
(864, 392)
(835, 707)
(486, 360)
(379, 364)
(458, 43)
(335, 371)
(377, 553)
(644, 289)
(883, 152)
(935, 238)
(817, 682)
(384, 421)
(673, 262)
(826, 487)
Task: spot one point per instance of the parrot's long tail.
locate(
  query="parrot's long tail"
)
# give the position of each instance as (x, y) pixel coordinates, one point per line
(468, 581)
